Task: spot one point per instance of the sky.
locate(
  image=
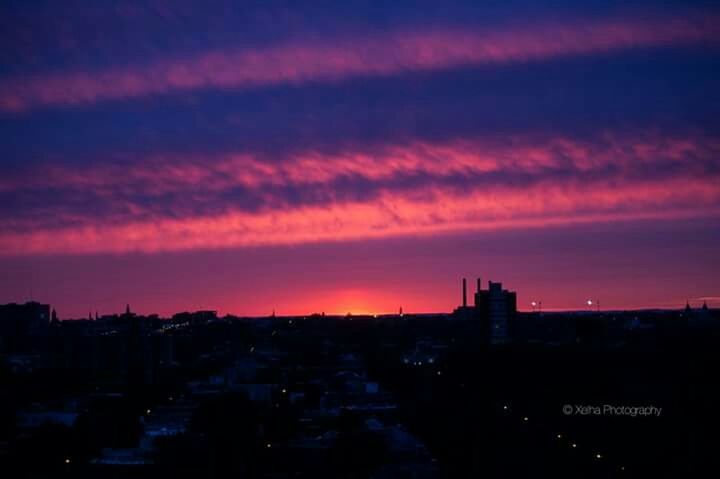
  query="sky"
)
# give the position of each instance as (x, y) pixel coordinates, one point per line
(358, 156)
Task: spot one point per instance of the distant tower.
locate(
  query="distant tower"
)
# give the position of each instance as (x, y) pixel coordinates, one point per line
(704, 306)
(687, 307)
(127, 309)
(464, 293)
(401, 311)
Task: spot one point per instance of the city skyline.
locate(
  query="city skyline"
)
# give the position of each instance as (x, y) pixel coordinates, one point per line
(588, 303)
(358, 158)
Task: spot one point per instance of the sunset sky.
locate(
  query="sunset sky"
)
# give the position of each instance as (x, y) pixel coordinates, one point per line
(358, 156)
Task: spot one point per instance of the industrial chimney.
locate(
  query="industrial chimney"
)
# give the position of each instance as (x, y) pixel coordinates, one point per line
(464, 293)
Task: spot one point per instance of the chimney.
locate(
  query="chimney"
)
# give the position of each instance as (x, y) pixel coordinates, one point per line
(479, 285)
(464, 293)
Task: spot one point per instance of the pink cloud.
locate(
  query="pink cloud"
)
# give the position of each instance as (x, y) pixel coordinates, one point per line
(337, 59)
(388, 216)
(601, 181)
(169, 172)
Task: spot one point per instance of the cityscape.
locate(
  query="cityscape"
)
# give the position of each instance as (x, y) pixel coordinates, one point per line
(592, 393)
(359, 239)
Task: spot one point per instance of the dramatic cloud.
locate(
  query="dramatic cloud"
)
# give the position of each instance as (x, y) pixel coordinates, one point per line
(329, 60)
(175, 203)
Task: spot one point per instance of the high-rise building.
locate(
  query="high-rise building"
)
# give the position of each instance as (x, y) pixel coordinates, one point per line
(495, 306)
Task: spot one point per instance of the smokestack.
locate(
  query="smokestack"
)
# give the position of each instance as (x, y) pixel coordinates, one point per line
(479, 285)
(464, 293)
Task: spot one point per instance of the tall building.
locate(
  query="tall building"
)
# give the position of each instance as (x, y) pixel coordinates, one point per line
(497, 306)
(494, 306)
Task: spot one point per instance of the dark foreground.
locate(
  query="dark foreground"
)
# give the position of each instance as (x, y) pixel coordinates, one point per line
(584, 395)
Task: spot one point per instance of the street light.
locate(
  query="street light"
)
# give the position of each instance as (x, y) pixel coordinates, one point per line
(590, 303)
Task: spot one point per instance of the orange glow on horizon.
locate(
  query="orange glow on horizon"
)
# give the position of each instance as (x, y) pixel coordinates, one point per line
(343, 301)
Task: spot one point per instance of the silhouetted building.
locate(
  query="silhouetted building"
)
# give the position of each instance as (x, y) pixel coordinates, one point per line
(497, 306)
(464, 311)
(27, 319)
(699, 318)
(197, 317)
(494, 306)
